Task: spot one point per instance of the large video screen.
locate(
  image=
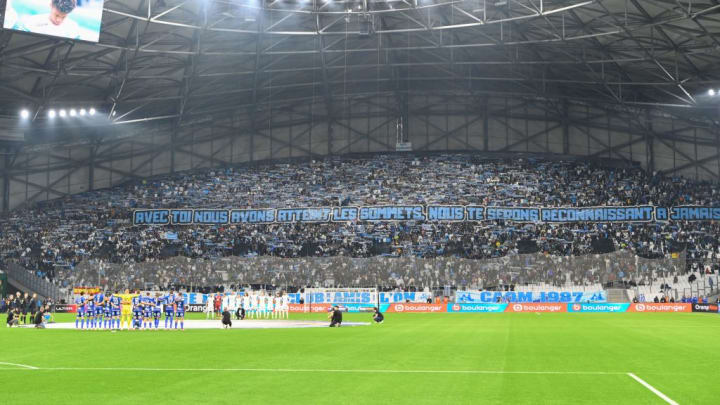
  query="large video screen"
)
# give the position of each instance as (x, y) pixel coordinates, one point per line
(73, 19)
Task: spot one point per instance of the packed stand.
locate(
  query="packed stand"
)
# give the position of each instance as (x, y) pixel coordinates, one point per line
(89, 239)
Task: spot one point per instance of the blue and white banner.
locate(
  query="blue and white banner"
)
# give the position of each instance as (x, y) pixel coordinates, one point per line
(341, 297)
(431, 213)
(468, 297)
(393, 297)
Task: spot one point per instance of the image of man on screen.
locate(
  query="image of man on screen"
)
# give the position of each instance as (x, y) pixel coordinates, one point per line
(53, 23)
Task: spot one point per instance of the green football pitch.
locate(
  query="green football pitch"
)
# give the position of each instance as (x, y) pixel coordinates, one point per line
(410, 359)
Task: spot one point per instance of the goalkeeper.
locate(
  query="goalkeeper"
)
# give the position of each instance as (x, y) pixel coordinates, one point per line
(126, 314)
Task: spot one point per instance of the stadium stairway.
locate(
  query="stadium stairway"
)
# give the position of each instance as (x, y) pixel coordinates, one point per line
(24, 280)
(617, 295)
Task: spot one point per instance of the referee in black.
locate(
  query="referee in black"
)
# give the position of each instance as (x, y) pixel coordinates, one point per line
(25, 308)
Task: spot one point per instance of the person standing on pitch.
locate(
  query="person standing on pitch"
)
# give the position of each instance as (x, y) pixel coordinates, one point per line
(80, 310)
(126, 313)
(270, 304)
(277, 306)
(169, 304)
(157, 309)
(99, 302)
(246, 302)
(259, 305)
(25, 307)
(116, 301)
(285, 305)
(226, 303)
(218, 303)
(180, 310)
(209, 307)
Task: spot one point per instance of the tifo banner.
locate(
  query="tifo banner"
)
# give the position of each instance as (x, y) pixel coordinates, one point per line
(86, 290)
(392, 297)
(643, 213)
(383, 297)
(415, 307)
(467, 297)
(704, 308)
(659, 307)
(70, 308)
(476, 307)
(341, 297)
(536, 307)
(606, 307)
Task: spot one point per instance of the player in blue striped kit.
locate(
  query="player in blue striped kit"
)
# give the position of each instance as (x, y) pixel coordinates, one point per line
(147, 303)
(99, 301)
(169, 303)
(80, 310)
(180, 310)
(107, 312)
(137, 312)
(157, 310)
(90, 312)
(116, 302)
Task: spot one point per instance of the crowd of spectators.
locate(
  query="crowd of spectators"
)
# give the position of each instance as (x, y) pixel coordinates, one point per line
(89, 239)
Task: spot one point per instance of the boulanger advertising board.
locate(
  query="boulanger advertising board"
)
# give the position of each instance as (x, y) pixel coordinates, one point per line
(536, 307)
(410, 307)
(604, 307)
(659, 307)
(480, 307)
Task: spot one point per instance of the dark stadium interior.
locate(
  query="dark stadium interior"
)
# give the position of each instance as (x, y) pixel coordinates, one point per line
(488, 201)
(218, 104)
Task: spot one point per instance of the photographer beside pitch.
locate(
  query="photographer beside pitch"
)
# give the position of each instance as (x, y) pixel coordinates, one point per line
(226, 319)
(378, 317)
(335, 317)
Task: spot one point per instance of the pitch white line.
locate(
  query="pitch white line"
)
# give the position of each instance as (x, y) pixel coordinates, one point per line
(653, 389)
(308, 370)
(22, 366)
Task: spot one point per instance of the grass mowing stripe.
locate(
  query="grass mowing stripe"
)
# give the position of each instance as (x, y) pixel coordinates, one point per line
(653, 389)
(308, 370)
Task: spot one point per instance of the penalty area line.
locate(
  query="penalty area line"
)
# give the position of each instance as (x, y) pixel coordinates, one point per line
(653, 389)
(22, 366)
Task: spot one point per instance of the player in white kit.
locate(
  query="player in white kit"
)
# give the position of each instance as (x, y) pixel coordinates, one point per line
(209, 307)
(234, 302)
(246, 303)
(278, 306)
(226, 303)
(268, 306)
(257, 304)
(285, 306)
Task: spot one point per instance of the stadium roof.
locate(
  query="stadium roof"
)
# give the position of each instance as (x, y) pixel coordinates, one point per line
(172, 60)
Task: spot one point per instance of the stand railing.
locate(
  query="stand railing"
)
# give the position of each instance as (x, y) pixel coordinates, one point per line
(24, 279)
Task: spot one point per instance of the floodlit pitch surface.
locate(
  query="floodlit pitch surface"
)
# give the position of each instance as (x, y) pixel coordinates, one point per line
(410, 359)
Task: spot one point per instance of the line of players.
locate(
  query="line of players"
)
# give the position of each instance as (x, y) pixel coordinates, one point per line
(129, 310)
(253, 306)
